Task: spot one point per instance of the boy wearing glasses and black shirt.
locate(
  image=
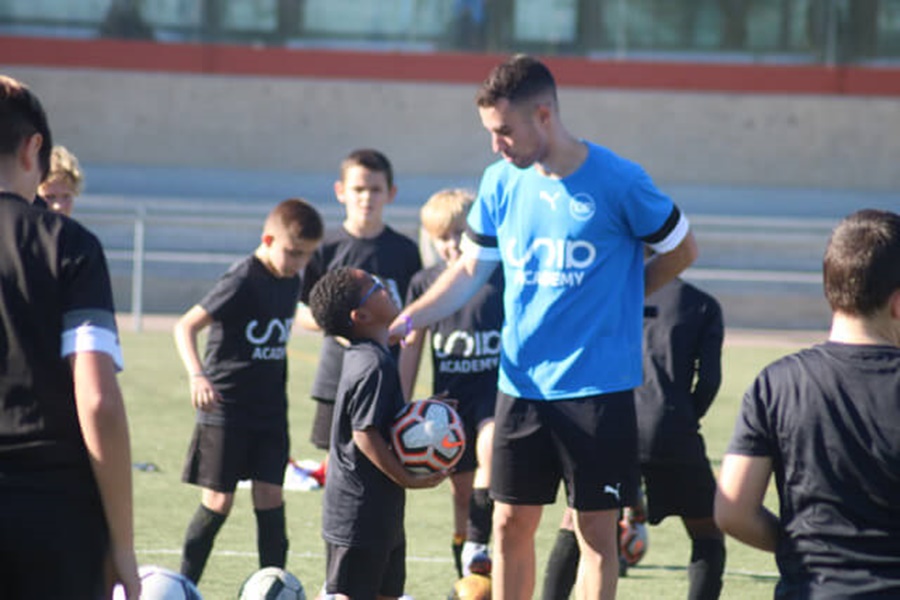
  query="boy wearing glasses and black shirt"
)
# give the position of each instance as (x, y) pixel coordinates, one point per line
(364, 241)
(363, 507)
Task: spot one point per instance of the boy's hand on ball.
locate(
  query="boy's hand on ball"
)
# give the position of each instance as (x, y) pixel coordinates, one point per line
(428, 480)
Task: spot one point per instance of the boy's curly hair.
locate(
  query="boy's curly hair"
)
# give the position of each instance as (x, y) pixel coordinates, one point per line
(333, 298)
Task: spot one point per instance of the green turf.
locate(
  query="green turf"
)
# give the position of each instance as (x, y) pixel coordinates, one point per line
(161, 419)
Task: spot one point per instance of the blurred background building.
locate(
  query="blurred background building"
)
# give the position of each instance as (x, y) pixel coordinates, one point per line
(743, 30)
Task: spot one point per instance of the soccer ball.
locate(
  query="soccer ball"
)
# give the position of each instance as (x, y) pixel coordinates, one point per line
(272, 583)
(633, 541)
(428, 436)
(471, 587)
(158, 583)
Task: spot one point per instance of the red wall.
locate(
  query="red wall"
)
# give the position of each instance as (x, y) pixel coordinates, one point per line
(444, 67)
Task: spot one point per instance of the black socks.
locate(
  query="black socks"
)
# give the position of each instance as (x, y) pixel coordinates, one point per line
(706, 568)
(198, 541)
(271, 537)
(562, 566)
(481, 516)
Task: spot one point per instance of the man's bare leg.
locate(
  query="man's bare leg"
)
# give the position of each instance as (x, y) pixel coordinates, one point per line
(598, 569)
(514, 560)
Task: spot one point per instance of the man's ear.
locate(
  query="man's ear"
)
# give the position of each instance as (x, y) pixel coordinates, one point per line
(339, 191)
(267, 239)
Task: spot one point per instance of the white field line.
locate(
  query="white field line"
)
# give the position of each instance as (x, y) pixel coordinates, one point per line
(426, 559)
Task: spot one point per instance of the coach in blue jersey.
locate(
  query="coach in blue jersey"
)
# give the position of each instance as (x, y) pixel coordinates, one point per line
(826, 422)
(568, 221)
(66, 526)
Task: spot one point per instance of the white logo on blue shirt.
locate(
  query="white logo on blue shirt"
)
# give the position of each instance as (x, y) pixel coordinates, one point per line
(550, 198)
(548, 262)
(582, 207)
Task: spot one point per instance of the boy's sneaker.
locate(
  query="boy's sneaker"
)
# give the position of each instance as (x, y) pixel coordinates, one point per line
(476, 559)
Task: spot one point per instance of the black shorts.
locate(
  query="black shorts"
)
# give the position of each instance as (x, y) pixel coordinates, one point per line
(364, 573)
(681, 490)
(52, 545)
(590, 443)
(321, 429)
(473, 414)
(219, 457)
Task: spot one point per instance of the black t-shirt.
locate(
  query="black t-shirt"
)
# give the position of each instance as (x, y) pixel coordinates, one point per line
(246, 354)
(829, 418)
(683, 333)
(391, 256)
(363, 506)
(465, 347)
(53, 282)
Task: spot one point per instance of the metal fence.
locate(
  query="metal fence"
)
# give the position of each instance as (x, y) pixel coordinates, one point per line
(165, 255)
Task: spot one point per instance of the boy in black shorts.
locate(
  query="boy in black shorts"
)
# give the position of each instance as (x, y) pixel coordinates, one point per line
(465, 353)
(825, 421)
(363, 507)
(239, 387)
(364, 241)
(683, 335)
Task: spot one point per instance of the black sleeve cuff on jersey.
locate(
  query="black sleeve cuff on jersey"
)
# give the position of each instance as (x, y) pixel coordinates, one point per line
(666, 229)
(485, 241)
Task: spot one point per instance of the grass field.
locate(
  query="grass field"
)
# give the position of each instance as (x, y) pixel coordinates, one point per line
(161, 420)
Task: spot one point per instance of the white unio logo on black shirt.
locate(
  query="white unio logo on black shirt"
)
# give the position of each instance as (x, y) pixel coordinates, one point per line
(269, 341)
(467, 351)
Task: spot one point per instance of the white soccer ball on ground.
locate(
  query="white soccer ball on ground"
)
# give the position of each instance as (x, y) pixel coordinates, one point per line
(428, 436)
(272, 583)
(159, 583)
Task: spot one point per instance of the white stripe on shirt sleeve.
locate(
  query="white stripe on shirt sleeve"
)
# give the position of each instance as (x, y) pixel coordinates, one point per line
(90, 338)
(675, 237)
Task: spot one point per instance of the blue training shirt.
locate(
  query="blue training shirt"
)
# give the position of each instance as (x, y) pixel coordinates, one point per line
(572, 256)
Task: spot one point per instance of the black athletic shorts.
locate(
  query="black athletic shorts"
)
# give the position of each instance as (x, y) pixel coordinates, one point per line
(679, 489)
(473, 414)
(219, 457)
(52, 545)
(321, 429)
(364, 573)
(590, 443)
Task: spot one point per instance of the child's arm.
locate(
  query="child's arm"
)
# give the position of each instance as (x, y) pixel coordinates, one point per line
(376, 449)
(104, 428)
(304, 318)
(203, 395)
(410, 356)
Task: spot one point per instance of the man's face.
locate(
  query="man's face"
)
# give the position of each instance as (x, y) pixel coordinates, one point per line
(517, 131)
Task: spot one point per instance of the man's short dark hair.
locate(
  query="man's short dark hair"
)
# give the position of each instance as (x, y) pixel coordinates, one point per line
(861, 268)
(333, 298)
(520, 78)
(373, 160)
(22, 116)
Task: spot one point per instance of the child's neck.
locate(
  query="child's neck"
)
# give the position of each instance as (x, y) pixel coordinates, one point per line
(363, 229)
(379, 335)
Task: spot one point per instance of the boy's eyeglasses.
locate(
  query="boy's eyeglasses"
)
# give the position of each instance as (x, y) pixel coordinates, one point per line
(376, 285)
